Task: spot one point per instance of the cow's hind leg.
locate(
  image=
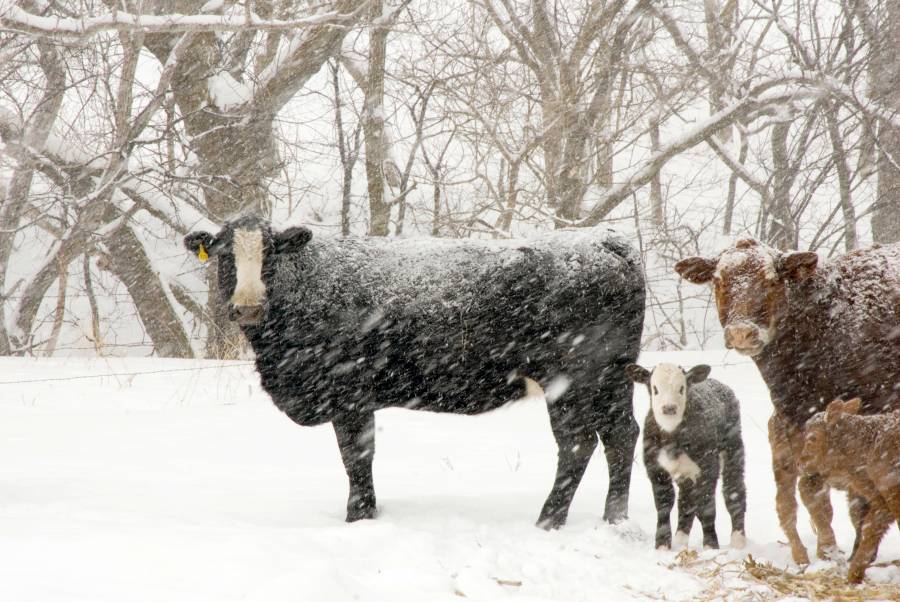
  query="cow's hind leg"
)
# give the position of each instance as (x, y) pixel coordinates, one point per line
(356, 440)
(619, 434)
(576, 443)
(784, 466)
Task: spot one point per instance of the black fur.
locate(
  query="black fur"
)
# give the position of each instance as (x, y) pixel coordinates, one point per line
(711, 425)
(355, 325)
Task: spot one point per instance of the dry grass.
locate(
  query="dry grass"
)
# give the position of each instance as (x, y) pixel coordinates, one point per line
(751, 581)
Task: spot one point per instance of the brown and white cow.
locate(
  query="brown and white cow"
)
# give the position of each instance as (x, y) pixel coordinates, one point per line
(817, 333)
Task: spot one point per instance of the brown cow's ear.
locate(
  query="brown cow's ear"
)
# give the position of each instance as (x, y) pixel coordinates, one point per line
(698, 270)
(797, 266)
(638, 374)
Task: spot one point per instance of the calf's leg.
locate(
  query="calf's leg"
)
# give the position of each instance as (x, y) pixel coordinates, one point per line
(664, 498)
(356, 440)
(706, 508)
(875, 524)
(815, 493)
(734, 490)
(784, 467)
(687, 512)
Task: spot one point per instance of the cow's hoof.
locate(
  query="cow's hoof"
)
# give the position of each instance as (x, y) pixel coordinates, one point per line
(831, 552)
(738, 540)
(551, 523)
(361, 514)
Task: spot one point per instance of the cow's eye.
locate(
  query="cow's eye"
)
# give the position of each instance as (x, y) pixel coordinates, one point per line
(655, 391)
(681, 391)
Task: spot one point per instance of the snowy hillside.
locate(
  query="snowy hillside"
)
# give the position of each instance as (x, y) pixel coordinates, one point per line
(178, 480)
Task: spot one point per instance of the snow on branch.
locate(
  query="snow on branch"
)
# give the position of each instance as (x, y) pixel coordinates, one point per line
(762, 96)
(13, 17)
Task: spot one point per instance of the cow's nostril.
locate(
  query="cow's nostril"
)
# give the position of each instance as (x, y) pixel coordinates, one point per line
(670, 410)
(247, 314)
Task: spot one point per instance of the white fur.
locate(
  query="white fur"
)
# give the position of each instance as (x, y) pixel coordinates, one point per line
(738, 540)
(680, 467)
(248, 255)
(533, 390)
(679, 540)
(668, 386)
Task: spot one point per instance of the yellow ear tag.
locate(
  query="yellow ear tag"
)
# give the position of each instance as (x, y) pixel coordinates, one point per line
(202, 255)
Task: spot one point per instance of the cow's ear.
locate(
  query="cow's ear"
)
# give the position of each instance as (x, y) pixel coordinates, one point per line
(291, 240)
(638, 374)
(797, 266)
(698, 374)
(698, 270)
(201, 244)
(852, 406)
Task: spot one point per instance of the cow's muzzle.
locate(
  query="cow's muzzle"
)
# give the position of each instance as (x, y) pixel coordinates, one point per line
(745, 338)
(245, 315)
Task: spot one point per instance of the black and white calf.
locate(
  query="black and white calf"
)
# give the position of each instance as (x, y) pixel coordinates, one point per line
(692, 431)
(342, 327)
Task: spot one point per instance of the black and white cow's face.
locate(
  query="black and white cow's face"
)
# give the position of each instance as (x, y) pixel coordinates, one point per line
(669, 386)
(246, 249)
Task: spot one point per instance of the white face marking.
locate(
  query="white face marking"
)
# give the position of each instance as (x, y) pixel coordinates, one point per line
(248, 255)
(668, 391)
(680, 467)
(733, 259)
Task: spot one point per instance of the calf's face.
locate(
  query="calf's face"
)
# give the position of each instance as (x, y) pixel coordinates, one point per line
(749, 282)
(669, 386)
(245, 250)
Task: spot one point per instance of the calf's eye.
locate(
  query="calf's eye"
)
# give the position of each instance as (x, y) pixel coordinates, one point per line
(681, 390)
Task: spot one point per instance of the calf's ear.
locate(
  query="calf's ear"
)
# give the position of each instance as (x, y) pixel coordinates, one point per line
(638, 374)
(838, 407)
(698, 374)
(200, 243)
(292, 239)
(797, 266)
(698, 270)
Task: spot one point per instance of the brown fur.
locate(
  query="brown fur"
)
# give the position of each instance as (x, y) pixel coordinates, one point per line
(860, 454)
(835, 333)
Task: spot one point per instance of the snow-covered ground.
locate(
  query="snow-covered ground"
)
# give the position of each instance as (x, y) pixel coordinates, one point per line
(183, 482)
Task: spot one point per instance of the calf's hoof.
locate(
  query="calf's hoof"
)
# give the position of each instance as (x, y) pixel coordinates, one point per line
(855, 574)
(798, 553)
(738, 540)
(680, 540)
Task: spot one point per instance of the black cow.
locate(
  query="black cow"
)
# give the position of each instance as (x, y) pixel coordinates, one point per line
(342, 327)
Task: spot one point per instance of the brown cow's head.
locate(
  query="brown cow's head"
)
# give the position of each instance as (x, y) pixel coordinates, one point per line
(749, 281)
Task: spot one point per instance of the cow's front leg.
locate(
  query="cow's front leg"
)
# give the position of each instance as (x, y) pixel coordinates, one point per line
(784, 467)
(356, 440)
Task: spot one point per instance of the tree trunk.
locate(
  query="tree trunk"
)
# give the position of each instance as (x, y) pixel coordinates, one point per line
(780, 231)
(885, 70)
(373, 123)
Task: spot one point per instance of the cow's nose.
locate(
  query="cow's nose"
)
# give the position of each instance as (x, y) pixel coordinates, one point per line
(741, 336)
(245, 314)
(670, 409)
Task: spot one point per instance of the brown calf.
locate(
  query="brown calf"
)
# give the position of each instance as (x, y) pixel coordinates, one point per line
(860, 454)
(816, 331)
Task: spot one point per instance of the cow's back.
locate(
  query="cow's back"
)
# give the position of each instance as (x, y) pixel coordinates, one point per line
(443, 324)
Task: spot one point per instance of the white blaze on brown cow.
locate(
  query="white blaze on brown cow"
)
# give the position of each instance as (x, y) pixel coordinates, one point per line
(248, 255)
